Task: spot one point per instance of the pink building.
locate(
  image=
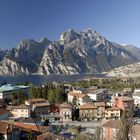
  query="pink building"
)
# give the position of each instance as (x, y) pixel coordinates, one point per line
(110, 130)
(123, 102)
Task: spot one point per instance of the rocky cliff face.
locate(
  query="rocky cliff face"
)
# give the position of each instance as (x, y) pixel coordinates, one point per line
(76, 52)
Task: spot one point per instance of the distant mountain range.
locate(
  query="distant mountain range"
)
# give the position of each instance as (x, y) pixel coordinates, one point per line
(75, 53)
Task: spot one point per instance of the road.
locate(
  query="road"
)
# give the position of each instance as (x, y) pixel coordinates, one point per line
(91, 124)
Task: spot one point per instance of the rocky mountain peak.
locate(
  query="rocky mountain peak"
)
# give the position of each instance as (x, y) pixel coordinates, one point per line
(45, 41)
(69, 36)
(75, 53)
(26, 43)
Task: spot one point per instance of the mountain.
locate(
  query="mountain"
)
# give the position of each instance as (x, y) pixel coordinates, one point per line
(134, 51)
(131, 70)
(75, 52)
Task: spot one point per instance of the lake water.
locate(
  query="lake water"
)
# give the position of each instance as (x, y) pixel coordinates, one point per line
(41, 79)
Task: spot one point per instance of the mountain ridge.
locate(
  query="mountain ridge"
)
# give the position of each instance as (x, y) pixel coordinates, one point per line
(74, 53)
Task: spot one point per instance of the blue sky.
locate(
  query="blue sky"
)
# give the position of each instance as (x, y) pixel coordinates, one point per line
(117, 20)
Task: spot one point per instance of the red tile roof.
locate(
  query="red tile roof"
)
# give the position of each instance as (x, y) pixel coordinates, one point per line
(49, 136)
(100, 104)
(113, 108)
(22, 106)
(3, 128)
(87, 106)
(27, 127)
(6, 128)
(65, 105)
(35, 100)
(79, 95)
(112, 124)
(136, 131)
(125, 98)
(42, 104)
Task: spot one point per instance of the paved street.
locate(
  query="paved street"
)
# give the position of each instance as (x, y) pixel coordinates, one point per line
(83, 124)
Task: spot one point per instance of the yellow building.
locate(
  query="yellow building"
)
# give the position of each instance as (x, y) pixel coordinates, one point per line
(113, 112)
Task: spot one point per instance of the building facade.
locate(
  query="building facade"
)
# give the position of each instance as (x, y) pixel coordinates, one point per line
(7, 90)
(110, 130)
(39, 106)
(113, 112)
(66, 112)
(87, 112)
(78, 95)
(20, 111)
(123, 102)
(100, 109)
(97, 94)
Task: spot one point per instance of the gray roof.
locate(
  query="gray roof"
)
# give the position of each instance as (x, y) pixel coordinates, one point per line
(10, 87)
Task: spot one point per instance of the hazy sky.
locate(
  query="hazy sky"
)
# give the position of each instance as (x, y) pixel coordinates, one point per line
(117, 20)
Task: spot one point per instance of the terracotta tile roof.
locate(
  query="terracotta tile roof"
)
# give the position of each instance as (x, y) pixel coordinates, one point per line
(113, 108)
(6, 128)
(87, 106)
(112, 124)
(3, 111)
(125, 98)
(35, 100)
(136, 131)
(49, 136)
(43, 129)
(65, 105)
(3, 128)
(79, 95)
(42, 104)
(45, 136)
(100, 104)
(22, 106)
(23, 125)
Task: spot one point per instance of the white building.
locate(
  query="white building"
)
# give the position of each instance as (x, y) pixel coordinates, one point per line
(137, 90)
(21, 111)
(136, 98)
(97, 94)
(79, 97)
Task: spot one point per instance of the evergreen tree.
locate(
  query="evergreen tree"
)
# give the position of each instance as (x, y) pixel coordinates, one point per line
(33, 92)
(60, 96)
(74, 101)
(26, 83)
(51, 96)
